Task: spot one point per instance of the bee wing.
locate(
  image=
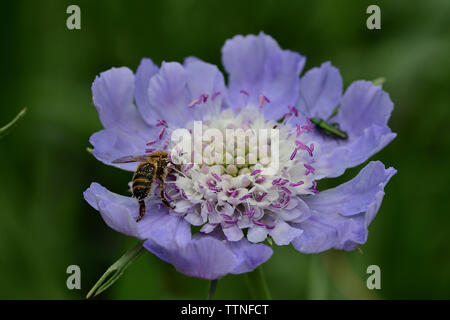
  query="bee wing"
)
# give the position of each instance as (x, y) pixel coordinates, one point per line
(128, 159)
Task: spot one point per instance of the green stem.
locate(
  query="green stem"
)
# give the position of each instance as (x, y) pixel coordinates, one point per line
(317, 279)
(212, 288)
(116, 270)
(257, 285)
(7, 128)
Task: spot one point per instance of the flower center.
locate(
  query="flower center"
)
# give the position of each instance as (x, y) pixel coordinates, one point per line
(252, 179)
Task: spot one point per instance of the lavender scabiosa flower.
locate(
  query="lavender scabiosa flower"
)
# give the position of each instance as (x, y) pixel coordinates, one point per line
(232, 203)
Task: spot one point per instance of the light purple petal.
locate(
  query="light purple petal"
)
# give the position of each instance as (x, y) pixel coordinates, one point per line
(111, 144)
(320, 91)
(297, 214)
(126, 132)
(249, 255)
(204, 78)
(340, 216)
(120, 213)
(362, 106)
(233, 233)
(257, 65)
(257, 234)
(203, 257)
(113, 93)
(169, 95)
(283, 233)
(146, 70)
(339, 155)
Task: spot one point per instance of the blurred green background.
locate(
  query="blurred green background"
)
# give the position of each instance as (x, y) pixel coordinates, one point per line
(45, 225)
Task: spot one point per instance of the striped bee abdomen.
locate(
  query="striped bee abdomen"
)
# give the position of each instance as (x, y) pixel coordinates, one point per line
(143, 179)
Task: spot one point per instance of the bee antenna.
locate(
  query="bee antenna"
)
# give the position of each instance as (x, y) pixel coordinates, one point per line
(175, 169)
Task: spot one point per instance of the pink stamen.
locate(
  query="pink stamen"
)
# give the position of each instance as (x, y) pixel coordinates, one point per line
(195, 102)
(149, 150)
(188, 167)
(211, 183)
(215, 94)
(314, 187)
(161, 133)
(299, 130)
(209, 206)
(249, 213)
(262, 99)
(276, 181)
(294, 153)
(260, 180)
(305, 147)
(283, 202)
(162, 123)
(216, 189)
(286, 190)
(263, 224)
(234, 193)
(309, 127)
(216, 177)
(309, 169)
(286, 115)
(244, 92)
(151, 142)
(226, 216)
(254, 173)
(293, 110)
(204, 97)
(261, 197)
(245, 197)
(183, 194)
(296, 184)
(167, 196)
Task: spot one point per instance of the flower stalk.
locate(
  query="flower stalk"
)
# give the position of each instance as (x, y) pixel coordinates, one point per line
(116, 270)
(212, 288)
(257, 285)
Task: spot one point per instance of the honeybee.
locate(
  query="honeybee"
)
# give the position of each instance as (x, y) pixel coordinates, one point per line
(152, 166)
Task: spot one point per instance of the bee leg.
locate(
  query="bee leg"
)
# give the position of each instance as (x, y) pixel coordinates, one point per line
(141, 210)
(163, 197)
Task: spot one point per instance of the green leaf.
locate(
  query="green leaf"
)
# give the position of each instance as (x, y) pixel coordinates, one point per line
(6, 129)
(115, 271)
